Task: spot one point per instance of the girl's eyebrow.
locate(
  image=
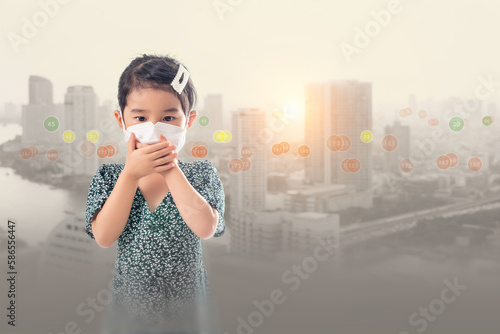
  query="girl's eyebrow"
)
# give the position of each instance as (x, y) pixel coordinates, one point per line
(143, 110)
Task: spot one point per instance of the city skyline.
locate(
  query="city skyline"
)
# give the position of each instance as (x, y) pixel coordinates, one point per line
(447, 108)
(381, 109)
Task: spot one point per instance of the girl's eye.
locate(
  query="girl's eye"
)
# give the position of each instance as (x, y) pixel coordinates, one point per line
(142, 118)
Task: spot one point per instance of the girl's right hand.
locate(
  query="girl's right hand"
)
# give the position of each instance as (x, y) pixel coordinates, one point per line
(143, 161)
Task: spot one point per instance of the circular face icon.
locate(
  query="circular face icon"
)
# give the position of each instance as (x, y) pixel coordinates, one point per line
(443, 162)
(227, 136)
(334, 143)
(346, 143)
(246, 164)
(433, 122)
(192, 147)
(246, 152)
(52, 155)
(34, 151)
(405, 112)
(406, 166)
(422, 114)
(487, 120)
(115, 147)
(453, 159)
(475, 164)
(200, 151)
(343, 164)
(304, 150)
(353, 165)
(286, 146)
(102, 152)
(87, 149)
(111, 150)
(235, 165)
(204, 121)
(456, 123)
(366, 136)
(194, 153)
(277, 149)
(68, 136)
(219, 136)
(51, 123)
(389, 143)
(92, 136)
(25, 153)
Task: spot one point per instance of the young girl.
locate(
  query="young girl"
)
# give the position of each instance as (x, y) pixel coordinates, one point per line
(156, 206)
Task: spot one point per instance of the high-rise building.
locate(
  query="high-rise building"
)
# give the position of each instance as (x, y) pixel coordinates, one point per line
(81, 107)
(213, 109)
(247, 188)
(203, 133)
(393, 159)
(40, 106)
(342, 107)
(40, 90)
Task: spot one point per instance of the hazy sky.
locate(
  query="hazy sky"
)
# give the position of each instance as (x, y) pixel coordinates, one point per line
(262, 53)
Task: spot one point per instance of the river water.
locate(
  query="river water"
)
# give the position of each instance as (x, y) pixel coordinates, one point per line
(35, 207)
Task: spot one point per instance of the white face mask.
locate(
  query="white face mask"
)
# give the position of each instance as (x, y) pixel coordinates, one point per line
(148, 133)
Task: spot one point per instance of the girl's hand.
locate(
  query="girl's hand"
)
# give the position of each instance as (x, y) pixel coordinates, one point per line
(154, 158)
(162, 138)
(171, 158)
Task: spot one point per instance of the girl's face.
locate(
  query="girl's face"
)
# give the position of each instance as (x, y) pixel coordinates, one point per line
(153, 105)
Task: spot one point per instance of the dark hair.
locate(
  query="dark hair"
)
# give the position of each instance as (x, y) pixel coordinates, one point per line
(152, 71)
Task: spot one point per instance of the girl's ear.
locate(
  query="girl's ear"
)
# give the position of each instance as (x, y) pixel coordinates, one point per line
(192, 117)
(118, 117)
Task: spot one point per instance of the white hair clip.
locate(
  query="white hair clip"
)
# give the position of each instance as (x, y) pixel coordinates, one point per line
(176, 83)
